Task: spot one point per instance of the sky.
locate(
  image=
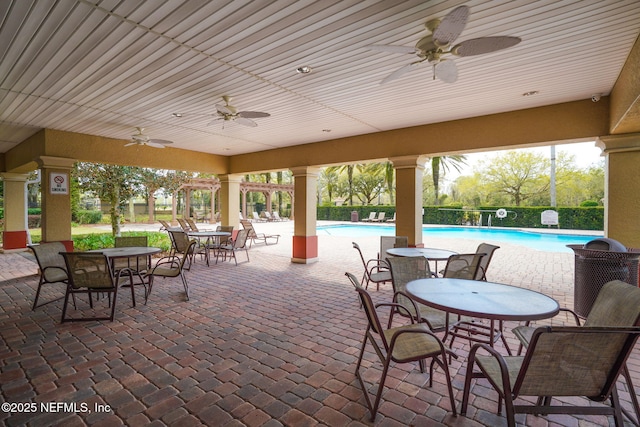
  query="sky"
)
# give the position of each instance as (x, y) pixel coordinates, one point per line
(586, 154)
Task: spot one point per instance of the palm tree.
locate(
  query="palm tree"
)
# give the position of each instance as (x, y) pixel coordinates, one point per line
(445, 162)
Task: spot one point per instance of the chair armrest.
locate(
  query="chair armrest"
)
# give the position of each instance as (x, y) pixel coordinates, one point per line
(415, 306)
(394, 307)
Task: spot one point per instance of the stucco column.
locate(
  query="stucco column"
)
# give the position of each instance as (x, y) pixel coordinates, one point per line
(305, 240)
(409, 172)
(622, 187)
(15, 212)
(230, 199)
(56, 199)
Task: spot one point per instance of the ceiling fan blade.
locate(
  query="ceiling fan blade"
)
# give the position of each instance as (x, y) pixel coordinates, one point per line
(223, 109)
(153, 143)
(252, 114)
(484, 45)
(245, 121)
(162, 142)
(392, 49)
(451, 26)
(398, 73)
(214, 121)
(131, 143)
(447, 71)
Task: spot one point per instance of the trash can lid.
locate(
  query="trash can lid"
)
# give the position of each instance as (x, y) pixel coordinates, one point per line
(605, 244)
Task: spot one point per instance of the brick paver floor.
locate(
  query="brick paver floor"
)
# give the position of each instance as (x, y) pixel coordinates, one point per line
(266, 343)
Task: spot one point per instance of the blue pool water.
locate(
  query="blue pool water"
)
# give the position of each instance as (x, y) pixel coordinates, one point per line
(549, 242)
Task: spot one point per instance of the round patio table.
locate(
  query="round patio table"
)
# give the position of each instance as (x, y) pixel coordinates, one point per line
(484, 300)
(432, 254)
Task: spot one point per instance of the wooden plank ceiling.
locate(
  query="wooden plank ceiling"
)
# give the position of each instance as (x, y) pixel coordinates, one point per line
(104, 67)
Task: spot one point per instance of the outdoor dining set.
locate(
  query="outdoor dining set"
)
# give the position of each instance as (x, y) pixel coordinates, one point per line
(431, 308)
(130, 263)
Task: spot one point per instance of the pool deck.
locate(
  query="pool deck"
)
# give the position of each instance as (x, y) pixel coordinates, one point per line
(266, 343)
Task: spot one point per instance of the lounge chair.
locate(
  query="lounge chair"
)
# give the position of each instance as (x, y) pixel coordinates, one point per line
(257, 217)
(164, 225)
(372, 216)
(400, 344)
(183, 224)
(568, 361)
(266, 215)
(276, 216)
(254, 236)
(380, 217)
(392, 219)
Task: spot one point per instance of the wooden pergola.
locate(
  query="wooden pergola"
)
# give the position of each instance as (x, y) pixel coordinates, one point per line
(213, 185)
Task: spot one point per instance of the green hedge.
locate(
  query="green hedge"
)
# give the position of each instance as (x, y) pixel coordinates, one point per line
(88, 217)
(573, 218)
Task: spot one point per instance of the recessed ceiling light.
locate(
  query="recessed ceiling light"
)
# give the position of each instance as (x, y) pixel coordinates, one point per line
(530, 93)
(176, 114)
(326, 130)
(305, 69)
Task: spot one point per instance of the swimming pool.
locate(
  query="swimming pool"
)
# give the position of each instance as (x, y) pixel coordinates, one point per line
(548, 242)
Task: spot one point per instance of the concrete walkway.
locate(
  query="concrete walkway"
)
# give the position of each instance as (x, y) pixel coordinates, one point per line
(266, 343)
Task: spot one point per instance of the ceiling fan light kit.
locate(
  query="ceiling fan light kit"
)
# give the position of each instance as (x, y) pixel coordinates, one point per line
(433, 48)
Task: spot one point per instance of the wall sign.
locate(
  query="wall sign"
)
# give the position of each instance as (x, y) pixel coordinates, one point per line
(59, 183)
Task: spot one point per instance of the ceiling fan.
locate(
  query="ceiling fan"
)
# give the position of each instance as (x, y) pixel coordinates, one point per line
(227, 112)
(141, 139)
(435, 47)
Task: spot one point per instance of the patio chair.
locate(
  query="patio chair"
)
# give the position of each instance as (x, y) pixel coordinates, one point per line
(612, 308)
(254, 236)
(392, 219)
(401, 344)
(576, 361)
(488, 250)
(380, 217)
(257, 217)
(375, 270)
(90, 273)
(372, 216)
(388, 242)
(172, 266)
(276, 216)
(183, 224)
(404, 270)
(164, 225)
(180, 243)
(235, 245)
(52, 268)
(193, 226)
(463, 266)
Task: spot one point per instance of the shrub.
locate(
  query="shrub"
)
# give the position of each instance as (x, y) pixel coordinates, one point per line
(88, 217)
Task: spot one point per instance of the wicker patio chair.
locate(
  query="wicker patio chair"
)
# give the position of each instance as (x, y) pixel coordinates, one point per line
(235, 245)
(172, 266)
(254, 236)
(90, 273)
(375, 270)
(52, 268)
(611, 309)
(404, 270)
(401, 344)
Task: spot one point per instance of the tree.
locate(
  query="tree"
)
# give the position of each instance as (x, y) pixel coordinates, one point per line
(444, 163)
(369, 182)
(519, 174)
(329, 178)
(112, 183)
(389, 178)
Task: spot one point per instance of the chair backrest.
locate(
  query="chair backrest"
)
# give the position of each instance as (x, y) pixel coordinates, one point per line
(617, 304)
(276, 215)
(381, 216)
(357, 247)
(389, 242)
(255, 215)
(488, 250)
(49, 255)
(249, 227)
(372, 215)
(179, 241)
(89, 270)
(183, 224)
(574, 361)
(404, 270)
(130, 241)
(370, 309)
(241, 239)
(192, 224)
(229, 229)
(462, 266)
(165, 225)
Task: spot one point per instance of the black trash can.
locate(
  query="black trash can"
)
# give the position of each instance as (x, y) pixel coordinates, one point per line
(354, 216)
(598, 262)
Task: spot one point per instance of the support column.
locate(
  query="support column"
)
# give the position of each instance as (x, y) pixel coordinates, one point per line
(622, 187)
(56, 199)
(230, 199)
(15, 237)
(305, 240)
(409, 172)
